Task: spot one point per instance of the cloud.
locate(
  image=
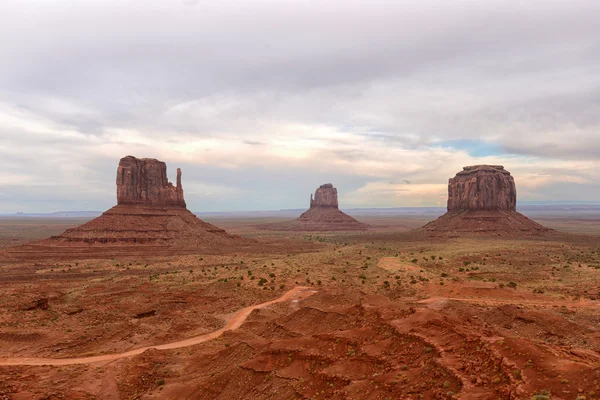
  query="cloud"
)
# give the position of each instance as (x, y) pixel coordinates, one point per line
(261, 101)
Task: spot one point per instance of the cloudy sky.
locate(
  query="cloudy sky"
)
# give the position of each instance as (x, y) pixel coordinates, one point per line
(261, 101)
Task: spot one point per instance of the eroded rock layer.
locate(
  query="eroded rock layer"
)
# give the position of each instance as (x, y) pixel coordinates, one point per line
(505, 223)
(135, 225)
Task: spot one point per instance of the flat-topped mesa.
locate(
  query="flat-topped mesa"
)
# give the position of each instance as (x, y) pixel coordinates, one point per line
(482, 201)
(482, 187)
(325, 196)
(144, 181)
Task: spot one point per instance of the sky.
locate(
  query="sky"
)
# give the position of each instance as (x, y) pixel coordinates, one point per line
(261, 101)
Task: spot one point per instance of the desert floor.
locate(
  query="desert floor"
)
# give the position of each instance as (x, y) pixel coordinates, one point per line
(383, 314)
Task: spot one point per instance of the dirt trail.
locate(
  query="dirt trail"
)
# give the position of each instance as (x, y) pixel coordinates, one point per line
(236, 320)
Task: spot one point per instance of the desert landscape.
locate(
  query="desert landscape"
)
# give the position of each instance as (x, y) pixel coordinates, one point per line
(148, 301)
(299, 200)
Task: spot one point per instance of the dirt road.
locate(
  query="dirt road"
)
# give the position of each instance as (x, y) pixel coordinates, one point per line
(236, 320)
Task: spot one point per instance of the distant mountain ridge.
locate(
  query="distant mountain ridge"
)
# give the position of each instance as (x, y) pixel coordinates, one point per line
(525, 206)
(57, 214)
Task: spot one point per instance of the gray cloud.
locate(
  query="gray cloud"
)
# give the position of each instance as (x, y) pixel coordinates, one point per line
(349, 92)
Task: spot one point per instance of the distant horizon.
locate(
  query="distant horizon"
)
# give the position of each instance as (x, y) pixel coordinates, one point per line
(525, 203)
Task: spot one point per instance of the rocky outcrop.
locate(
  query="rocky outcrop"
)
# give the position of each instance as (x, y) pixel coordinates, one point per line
(482, 199)
(151, 212)
(325, 196)
(482, 187)
(323, 215)
(143, 181)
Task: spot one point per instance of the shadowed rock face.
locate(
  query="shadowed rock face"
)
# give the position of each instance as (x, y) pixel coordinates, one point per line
(325, 196)
(144, 181)
(482, 187)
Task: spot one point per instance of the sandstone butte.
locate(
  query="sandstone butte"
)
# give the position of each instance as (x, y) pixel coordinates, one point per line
(323, 215)
(150, 212)
(483, 199)
(144, 182)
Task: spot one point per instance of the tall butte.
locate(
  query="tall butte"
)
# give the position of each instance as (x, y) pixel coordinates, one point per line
(323, 215)
(144, 182)
(483, 199)
(150, 212)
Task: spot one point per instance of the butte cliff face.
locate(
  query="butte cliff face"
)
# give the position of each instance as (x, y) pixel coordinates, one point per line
(482, 187)
(325, 196)
(323, 215)
(483, 199)
(143, 181)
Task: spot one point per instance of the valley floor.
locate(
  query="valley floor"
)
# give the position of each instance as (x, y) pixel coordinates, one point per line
(377, 315)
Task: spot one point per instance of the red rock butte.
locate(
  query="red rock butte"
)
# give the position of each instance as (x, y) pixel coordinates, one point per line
(323, 215)
(483, 199)
(143, 181)
(482, 187)
(325, 196)
(150, 216)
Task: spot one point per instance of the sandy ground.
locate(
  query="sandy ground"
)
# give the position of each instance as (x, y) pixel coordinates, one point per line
(375, 315)
(233, 323)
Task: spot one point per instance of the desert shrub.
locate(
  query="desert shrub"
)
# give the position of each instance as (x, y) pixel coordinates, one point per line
(542, 395)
